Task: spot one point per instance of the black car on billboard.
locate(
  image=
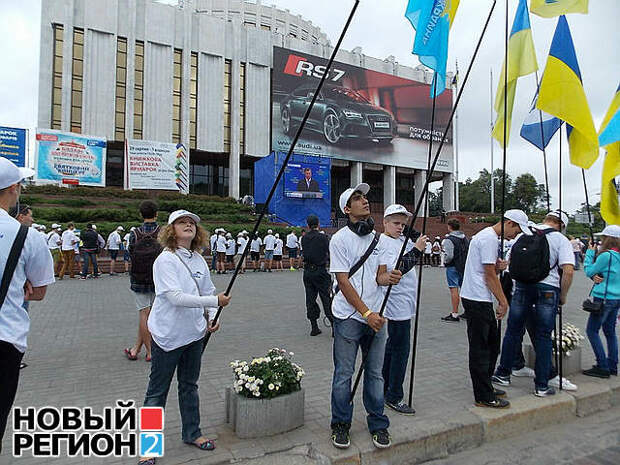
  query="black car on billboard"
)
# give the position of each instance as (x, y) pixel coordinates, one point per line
(339, 113)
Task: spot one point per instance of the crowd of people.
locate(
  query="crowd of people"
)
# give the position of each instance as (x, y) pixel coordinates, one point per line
(369, 305)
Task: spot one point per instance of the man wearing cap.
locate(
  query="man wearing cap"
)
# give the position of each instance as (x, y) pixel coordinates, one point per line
(316, 278)
(357, 322)
(540, 301)
(53, 244)
(292, 245)
(480, 285)
(114, 245)
(34, 271)
(89, 248)
(68, 239)
(213, 245)
(242, 242)
(270, 245)
(277, 252)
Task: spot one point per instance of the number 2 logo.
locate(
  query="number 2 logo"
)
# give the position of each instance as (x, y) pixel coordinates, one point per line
(151, 444)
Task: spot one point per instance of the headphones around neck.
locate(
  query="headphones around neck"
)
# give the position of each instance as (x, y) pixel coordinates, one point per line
(362, 227)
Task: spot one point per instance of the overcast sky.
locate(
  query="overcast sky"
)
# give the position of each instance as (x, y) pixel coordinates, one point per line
(381, 29)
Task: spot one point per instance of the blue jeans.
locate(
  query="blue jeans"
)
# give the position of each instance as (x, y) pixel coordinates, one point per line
(541, 302)
(349, 335)
(186, 361)
(606, 319)
(454, 278)
(577, 259)
(396, 358)
(87, 257)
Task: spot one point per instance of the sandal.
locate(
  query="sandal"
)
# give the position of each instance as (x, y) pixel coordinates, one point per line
(130, 356)
(149, 461)
(148, 358)
(209, 444)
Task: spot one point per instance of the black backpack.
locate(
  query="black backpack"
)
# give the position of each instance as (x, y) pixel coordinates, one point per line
(529, 257)
(143, 253)
(459, 256)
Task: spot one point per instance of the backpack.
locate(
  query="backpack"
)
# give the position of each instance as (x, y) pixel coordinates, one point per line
(459, 256)
(143, 253)
(529, 257)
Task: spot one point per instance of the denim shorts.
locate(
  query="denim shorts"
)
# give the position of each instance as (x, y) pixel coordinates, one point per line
(454, 278)
(268, 254)
(113, 253)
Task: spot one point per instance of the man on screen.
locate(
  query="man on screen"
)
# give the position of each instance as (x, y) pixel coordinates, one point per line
(308, 184)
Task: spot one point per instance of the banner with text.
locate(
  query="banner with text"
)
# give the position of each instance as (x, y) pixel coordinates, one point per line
(156, 165)
(13, 145)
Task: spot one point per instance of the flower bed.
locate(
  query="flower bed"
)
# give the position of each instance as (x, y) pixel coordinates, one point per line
(570, 338)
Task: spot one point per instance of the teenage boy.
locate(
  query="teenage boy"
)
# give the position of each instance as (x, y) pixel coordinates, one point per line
(277, 252)
(241, 245)
(539, 301)
(69, 239)
(292, 246)
(401, 305)
(231, 246)
(255, 246)
(480, 285)
(114, 245)
(270, 245)
(213, 245)
(357, 323)
(53, 244)
(455, 246)
(221, 252)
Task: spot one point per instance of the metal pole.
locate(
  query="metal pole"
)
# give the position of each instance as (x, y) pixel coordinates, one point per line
(457, 205)
(585, 189)
(542, 138)
(559, 349)
(492, 178)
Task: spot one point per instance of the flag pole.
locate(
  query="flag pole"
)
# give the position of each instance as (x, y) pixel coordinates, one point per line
(558, 350)
(426, 183)
(544, 151)
(284, 164)
(492, 155)
(585, 189)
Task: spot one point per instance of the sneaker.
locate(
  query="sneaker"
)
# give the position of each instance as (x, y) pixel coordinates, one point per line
(340, 435)
(381, 439)
(566, 384)
(544, 392)
(497, 403)
(499, 393)
(292, 269)
(525, 372)
(450, 319)
(401, 407)
(82, 277)
(501, 380)
(315, 331)
(596, 372)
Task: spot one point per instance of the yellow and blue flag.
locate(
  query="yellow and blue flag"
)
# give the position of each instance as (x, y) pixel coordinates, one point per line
(432, 20)
(521, 62)
(561, 94)
(552, 8)
(539, 127)
(610, 137)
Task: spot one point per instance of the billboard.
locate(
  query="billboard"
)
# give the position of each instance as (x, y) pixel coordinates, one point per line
(156, 165)
(69, 157)
(306, 180)
(13, 145)
(360, 115)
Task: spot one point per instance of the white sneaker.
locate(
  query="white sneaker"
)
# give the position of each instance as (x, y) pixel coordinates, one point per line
(525, 372)
(566, 384)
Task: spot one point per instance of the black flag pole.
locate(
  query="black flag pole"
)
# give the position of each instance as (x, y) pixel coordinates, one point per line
(284, 164)
(585, 189)
(426, 183)
(544, 150)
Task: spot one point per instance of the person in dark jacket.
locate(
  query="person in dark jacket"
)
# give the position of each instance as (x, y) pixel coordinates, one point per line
(90, 248)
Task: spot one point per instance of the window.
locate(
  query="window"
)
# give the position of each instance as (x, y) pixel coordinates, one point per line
(227, 97)
(242, 109)
(56, 122)
(177, 78)
(138, 90)
(121, 86)
(77, 73)
(193, 99)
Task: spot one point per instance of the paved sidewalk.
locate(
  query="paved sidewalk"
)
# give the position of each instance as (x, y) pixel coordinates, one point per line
(76, 358)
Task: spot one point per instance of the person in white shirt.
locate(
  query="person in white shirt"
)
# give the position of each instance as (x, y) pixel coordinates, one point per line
(357, 322)
(255, 246)
(270, 245)
(428, 247)
(125, 248)
(68, 241)
(213, 245)
(231, 245)
(242, 242)
(480, 285)
(577, 246)
(113, 246)
(401, 305)
(277, 252)
(53, 244)
(182, 313)
(539, 302)
(34, 271)
(292, 246)
(220, 246)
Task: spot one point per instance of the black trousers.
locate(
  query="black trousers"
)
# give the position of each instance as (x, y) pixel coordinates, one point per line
(484, 346)
(317, 281)
(10, 359)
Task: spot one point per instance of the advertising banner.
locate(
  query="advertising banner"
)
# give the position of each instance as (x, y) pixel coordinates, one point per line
(65, 156)
(13, 145)
(360, 115)
(156, 165)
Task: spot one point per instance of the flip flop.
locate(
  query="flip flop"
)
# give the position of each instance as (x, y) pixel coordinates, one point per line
(150, 461)
(148, 358)
(209, 444)
(129, 355)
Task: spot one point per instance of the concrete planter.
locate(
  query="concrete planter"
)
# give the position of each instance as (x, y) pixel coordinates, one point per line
(570, 365)
(253, 418)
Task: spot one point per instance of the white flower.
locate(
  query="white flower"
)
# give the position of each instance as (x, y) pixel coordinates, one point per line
(291, 353)
(277, 388)
(257, 394)
(271, 387)
(251, 379)
(246, 368)
(247, 385)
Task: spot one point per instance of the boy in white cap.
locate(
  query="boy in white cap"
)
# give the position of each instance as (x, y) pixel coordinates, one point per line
(53, 244)
(242, 242)
(114, 245)
(277, 252)
(270, 245)
(230, 251)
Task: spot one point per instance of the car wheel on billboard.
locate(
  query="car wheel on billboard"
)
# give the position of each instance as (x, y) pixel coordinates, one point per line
(331, 127)
(286, 121)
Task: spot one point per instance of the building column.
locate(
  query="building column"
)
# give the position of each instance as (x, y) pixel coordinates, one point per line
(357, 169)
(389, 185)
(234, 158)
(419, 178)
(448, 192)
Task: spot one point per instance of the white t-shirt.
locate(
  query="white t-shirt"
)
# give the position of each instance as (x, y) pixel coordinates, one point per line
(114, 241)
(213, 242)
(401, 303)
(291, 241)
(221, 244)
(437, 246)
(53, 240)
(577, 245)
(428, 247)
(68, 238)
(483, 250)
(255, 245)
(345, 249)
(126, 239)
(177, 315)
(35, 264)
(43, 235)
(230, 247)
(560, 253)
(278, 247)
(269, 241)
(241, 243)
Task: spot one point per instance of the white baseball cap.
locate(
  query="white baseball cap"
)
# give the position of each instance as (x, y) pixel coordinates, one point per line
(613, 230)
(10, 174)
(240, 234)
(277, 235)
(120, 228)
(175, 215)
(269, 231)
(56, 226)
(94, 227)
(563, 217)
(519, 217)
(396, 209)
(346, 195)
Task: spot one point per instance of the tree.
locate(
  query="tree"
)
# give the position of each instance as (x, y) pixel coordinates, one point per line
(527, 194)
(475, 196)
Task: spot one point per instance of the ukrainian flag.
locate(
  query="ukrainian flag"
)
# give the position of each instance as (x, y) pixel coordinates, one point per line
(552, 8)
(610, 137)
(561, 94)
(521, 61)
(432, 20)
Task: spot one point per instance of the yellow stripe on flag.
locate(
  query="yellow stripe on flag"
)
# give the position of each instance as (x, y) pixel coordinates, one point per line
(548, 9)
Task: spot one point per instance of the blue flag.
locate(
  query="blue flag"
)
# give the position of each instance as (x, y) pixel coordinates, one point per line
(539, 127)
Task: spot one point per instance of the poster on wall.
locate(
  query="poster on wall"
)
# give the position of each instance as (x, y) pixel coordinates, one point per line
(70, 158)
(13, 145)
(360, 114)
(306, 179)
(156, 165)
